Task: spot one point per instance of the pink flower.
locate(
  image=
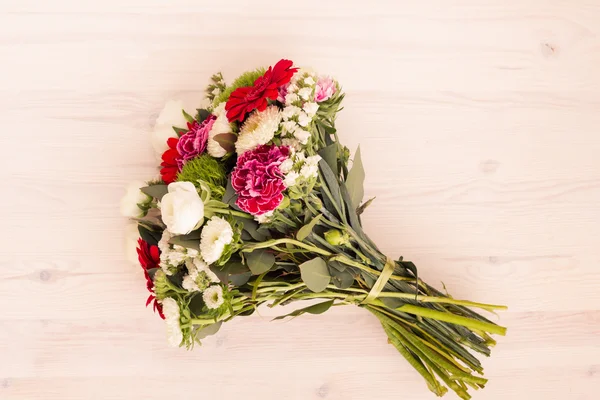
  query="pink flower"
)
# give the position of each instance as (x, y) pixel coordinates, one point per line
(193, 142)
(325, 89)
(282, 92)
(257, 179)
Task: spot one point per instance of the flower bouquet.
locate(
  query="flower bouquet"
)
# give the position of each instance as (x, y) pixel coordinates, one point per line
(258, 203)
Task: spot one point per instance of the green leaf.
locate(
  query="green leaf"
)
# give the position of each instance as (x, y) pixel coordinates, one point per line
(315, 274)
(240, 279)
(307, 229)
(251, 227)
(356, 180)
(208, 330)
(230, 196)
(188, 117)
(337, 265)
(179, 131)
(185, 242)
(156, 191)
(260, 261)
(149, 236)
(226, 141)
(318, 308)
(330, 155)
(364, 205)
(202, 114)
(341, 279)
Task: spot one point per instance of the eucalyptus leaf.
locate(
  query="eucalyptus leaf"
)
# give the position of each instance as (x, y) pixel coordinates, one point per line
(337, 265)
(307, 229)
(251, 227)
(230, 196)
(208, 330)
(318, 308)
(240, 279)
(341, 279)
(355, 180)
(156, 191)
(315, 274)
(260, 261)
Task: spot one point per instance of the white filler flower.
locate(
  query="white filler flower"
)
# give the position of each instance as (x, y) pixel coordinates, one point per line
(182, 209)
(213, 297)
(133, 197)
(172, 314)
(258, 129)
(214, 237)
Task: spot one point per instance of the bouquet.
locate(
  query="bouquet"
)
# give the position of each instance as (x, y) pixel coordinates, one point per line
(258, 203)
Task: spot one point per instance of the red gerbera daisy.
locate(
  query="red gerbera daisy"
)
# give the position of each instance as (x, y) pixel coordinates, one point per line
(245, 99)
(149, 258)
(170, 165)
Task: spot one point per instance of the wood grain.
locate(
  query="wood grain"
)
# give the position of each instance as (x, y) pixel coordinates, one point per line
(478, 123)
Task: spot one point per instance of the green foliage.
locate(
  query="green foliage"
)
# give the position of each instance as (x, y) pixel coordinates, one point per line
(206, 169)
(246, 79)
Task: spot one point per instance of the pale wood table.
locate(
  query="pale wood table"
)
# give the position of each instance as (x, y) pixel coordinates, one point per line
(479, 124)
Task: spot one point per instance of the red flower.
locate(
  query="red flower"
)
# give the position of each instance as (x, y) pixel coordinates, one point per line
(149, 258)
(170, 164)
(257, 179)
(245, 99)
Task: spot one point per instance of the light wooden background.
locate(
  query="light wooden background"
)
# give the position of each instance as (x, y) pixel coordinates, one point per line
(479, 123)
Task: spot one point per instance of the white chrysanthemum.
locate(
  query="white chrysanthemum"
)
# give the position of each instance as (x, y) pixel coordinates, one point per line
(291, 98)
(172, 315)
(286, 166)
(310, 108)
(221, 125)
(309, 80)
(258, 129)
(290, 111)
(213, 296)
(302, 135)
(264, 218)
(305, 93)
(309, 171)
(216, 234)
(291, 178)
(303, 119)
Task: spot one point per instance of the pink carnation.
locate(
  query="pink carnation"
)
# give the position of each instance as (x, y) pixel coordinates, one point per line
(257, 179)
(325, 89)
(193, 142)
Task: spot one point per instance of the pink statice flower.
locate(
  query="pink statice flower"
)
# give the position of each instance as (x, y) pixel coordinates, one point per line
(282, 92)
(193, 142)
(325, 89)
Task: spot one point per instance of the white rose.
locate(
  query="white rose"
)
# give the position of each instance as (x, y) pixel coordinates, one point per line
(182, 209)
(133, 197)
(170, 116)
(131, 241)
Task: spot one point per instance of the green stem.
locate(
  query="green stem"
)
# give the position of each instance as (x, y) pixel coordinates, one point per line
(274, 242)
(230, 212)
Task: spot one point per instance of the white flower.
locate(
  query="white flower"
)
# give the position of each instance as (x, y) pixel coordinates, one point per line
(182, 209)
(289, 112)
(213, 296)
(216, 234)
(133, 197)
(289, 126)
(264, 218)
(309, 80)
(310, 108)
(172, 315)
(308, 171)
(291, 178)
(286, 166)
(221, 125)
(302, 135)
(300, 156)
(131, 241)
(195, 268)
(305, 93)
(258, 129)
(291, 143)
(313, 160)
(216, 91)
(291, 98)
(292, 87)
(304, 119)
(170, 116)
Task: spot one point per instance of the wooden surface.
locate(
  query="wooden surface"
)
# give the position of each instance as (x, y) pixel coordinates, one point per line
(479, 124)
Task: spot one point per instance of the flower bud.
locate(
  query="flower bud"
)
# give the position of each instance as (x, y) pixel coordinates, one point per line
(336, 237)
